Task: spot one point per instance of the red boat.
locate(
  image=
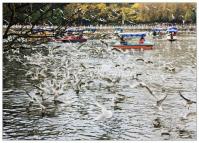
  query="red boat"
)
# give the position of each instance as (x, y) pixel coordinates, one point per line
(73, 39)
(138, 47)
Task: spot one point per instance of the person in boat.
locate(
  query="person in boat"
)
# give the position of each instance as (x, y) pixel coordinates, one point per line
(171, 35)
(141, 41)
(123, 41)
(70, 33)
(154, 33)
(80, 36)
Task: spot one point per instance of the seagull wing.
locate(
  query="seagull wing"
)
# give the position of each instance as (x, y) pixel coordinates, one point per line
(56, 47)
(107, 79)
(118, 50)
(38, 87)
(151, 92)
(29, 95)
(139, 59)
(159, 102)
(191, 114)
(104, 42)
(80, 46)
(186, 99)
(103, 108)
(33, 98)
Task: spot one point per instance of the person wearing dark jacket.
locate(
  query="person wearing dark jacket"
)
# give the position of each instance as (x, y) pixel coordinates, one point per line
(123, 41)
(141, 41)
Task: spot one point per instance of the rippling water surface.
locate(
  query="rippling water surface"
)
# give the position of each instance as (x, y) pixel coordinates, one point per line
(133, 114)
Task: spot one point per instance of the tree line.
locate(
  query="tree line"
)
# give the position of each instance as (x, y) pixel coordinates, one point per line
(98, 13)
(78, 14)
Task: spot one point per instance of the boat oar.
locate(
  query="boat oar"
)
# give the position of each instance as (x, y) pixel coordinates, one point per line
(80, 46)
(104, 42)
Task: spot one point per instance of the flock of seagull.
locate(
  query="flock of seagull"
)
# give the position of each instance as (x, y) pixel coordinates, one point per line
(54, 71)
(56, 79)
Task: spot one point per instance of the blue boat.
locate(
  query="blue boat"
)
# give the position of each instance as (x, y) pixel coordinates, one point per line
(132, 35)
(118, 30)
(42, 32)
(157, 32)
(36, 30)
(172, 29)
(90, 29)
(172, 32)
(71, 30)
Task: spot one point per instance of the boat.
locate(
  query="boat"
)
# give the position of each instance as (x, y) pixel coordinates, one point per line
(145, 45)
(74, 39)
(157, 33)
(118, 30)
(74, 30)
(42, 32)
(135, 46)
(90, 30)
(72, 36)
(172, 33)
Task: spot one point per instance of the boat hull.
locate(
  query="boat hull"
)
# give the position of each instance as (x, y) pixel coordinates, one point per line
(137, 47)
(74, 40)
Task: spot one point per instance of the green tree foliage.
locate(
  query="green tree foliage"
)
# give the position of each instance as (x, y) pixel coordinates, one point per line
(166, 12)
(76, 14)
(129, 13)
(31, 14)
(98, 13)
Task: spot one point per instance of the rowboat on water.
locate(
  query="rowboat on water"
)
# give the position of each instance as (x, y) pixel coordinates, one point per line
(72, 36)
(42, 32)
(69, 39)
(142, 44)
(118, 30)
(90, 30)
(157, 33)
(172, 33)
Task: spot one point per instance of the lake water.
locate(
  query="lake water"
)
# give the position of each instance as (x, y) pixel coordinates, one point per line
(75, 119)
